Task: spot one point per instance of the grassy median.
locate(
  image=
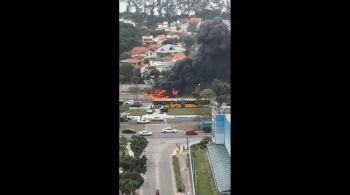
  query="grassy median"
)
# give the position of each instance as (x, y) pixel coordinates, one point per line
(204, 181)
(177, 173)
(137, 112)
(189, 111)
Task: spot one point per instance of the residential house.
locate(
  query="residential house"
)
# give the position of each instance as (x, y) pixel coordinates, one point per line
(141, 52)
(136, 62)
(160, 39)
(169, 49)
(161, 64)
(163, 26)
(195, 21)
(178, 56)
(126, 21)
(147, 40)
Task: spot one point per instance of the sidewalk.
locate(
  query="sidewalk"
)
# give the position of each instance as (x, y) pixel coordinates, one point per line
(185, 173)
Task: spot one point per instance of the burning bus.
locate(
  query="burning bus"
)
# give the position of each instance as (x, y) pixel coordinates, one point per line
(168, 99)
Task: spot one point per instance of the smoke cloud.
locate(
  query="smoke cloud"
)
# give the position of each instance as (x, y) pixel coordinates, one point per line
(210, 61)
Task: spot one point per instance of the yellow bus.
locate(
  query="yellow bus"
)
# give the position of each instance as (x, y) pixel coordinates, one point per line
(180, 102)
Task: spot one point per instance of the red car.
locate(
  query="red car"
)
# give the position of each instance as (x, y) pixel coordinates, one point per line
(191, 132)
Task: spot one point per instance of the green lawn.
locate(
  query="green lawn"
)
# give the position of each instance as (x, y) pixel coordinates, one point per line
(190, 111)
(203, 176)
(137, 112)
(177, 172)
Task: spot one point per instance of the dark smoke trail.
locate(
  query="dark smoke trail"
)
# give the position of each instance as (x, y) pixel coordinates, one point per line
(210, 61)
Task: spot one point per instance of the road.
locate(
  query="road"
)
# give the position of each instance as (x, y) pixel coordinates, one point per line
(159, 164)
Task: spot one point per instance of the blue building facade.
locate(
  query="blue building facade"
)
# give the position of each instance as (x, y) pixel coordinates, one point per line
(222, 130)
(220, 152)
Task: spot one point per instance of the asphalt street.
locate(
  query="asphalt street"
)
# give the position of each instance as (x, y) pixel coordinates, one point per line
(159, 164)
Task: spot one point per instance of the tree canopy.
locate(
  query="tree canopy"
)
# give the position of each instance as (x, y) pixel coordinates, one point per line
(138, 144)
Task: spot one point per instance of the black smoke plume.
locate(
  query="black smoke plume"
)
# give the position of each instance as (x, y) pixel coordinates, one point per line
(210, 61)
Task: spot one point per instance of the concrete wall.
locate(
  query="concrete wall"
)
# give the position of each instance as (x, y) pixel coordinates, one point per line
(125, 87)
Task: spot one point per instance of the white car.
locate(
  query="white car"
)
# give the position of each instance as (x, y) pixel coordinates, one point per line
(168, 130)
(156, 118)
(149, 111)
(143, 121)
(145, 132)
(128, 115)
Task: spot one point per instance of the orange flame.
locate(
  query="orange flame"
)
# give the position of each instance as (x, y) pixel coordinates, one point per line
(161, 94)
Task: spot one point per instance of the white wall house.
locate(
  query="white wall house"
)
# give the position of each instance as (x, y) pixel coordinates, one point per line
(127, 21)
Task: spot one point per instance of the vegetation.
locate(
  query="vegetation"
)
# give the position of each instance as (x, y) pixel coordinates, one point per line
(137, 112)
(127, 186)
(222, 91)
(189, 111)
(189, 41)
(133, 164)
(207, 94)
(132, 176)
(128, 37)
(138, 144)
(126, 73)
(204, 181)
(177, 173)
(123, 142)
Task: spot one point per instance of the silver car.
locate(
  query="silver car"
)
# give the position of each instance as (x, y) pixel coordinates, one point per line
(145, 133)
(168, 130)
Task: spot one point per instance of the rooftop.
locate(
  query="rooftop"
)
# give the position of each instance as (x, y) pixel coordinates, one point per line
(195, 20)
(168, 48)
(139, 50)
(154, 47)
(220, 162)
(179, 56)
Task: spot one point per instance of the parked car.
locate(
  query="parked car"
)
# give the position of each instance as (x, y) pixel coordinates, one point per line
(145, 132)
(163, 110)
(126, 115)
(136, 104)
(156, 118)
(191, 132)
(143, 121)
(130, 102)
(149, 111)
(168, 130)
(123, 119)
(128, 131)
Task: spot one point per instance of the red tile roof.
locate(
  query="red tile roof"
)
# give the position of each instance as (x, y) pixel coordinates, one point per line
(179, 56)
(195, 20)
(154, 47)
(138, 50)
(161, 37)
(136, 60)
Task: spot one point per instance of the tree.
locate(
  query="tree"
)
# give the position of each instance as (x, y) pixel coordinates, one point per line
(220, 87)
(127, 186)
(207, 93)
(159, 6)
(189, 41)
(128, 37)
(133, 164)
(123, 142)
(138, 144)
(192, 28)
(158, 32)
(126, 70)
(170, 41)
(132, 176)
